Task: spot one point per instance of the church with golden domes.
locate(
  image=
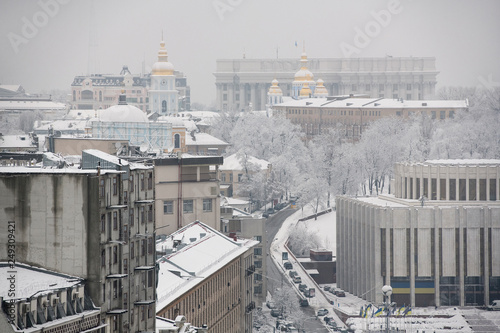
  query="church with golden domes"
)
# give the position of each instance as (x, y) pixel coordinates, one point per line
(303, 85)
(163, 98)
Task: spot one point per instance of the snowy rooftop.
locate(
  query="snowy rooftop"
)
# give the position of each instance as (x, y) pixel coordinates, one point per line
(36, 170)
(468, 162)
(204, 139)
(62, 125)
(16, 141)
(31, 105)
(31, 280)
(233, 201)
(381, 201)
(233, 162)
(199, 252)
(374, 103)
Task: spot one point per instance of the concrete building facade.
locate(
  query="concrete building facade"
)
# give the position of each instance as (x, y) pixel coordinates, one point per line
(436, 241)
(243, 81)
(187, 189)
(97, 223)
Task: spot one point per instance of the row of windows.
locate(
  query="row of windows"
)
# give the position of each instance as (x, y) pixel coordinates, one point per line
(187, 206)
(478, 189)
(145, 246)
(115, 180)
(381, 87)
(223, 177)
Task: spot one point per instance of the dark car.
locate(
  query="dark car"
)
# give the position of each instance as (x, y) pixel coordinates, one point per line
(288, 265)
(340, 293)
(326, 288)
(303, 302)
(302, 287)
(292, 273)
(322, 312)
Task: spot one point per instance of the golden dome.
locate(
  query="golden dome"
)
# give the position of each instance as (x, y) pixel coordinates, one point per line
(274, 89)
(320, 90)
(162, 66)
(304, 74)
(305, 91)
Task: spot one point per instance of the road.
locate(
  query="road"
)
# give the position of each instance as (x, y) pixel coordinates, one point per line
(275, 278)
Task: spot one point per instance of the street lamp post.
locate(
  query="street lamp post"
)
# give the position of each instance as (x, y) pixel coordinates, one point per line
(387, 292)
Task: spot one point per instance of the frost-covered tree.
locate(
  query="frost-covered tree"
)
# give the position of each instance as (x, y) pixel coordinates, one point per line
(222, 125)
(287, 301)
(301, 239)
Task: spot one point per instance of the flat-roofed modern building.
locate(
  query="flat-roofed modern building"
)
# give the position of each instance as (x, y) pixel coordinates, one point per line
(436, 241)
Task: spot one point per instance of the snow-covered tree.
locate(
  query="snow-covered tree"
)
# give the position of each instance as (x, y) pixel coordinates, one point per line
(301, 239)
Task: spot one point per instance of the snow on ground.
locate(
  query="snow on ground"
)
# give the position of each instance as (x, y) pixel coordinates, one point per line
(428, 319)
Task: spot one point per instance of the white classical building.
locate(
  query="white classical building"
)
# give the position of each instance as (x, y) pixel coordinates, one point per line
(163, 93)
(240, 82)
(436, 241)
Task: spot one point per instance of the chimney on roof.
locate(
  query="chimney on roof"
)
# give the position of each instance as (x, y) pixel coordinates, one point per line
(122, 100)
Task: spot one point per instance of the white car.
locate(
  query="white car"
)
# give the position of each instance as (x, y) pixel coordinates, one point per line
(322, 312)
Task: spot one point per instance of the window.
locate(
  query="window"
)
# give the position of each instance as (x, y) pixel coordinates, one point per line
(168, 207)
(125, 266)
(103, 223)
(142, 214)
(258, 264)
(408, 86)
(231, 177)
(115, 186)
(257, 290)
(472, 190)
(240, 175)
(150, 213)
(150, 245)
(115, 289)
(132, 250)
(433, 114)
(177, 141)
(187, 206)
(115, 221)
(115, 254)
(258, 238)
(101, 188)
(223, 177)
(381, 87)
(143, 247)
(125, 197)
(131, 183)
(103, 258)
(257, 277)
(142, 181)
(493, 189)
(131, 216)
(451, 114)
(395, 87)
(257, 251)
(164, 106)
(150, 279)
(104, 292)
(442, 114)
(207, 205)
(150, 181)
(132, 317)
(125, 300)
(353, 88)
(224, 97)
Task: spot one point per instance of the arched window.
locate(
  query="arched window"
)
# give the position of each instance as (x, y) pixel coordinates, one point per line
(164, 106)
(177, 141)
(100, 96)
(87, 94)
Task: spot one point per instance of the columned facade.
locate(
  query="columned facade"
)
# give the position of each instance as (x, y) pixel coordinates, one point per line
(444, 251)
(408, 78)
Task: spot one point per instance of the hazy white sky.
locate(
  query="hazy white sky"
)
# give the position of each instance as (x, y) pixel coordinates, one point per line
(44, 46)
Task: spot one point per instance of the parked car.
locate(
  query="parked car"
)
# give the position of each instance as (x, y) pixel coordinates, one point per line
(322, 312)
(297, 279)
(495, 305)
(303, 302)
(327, 319)
(332, 290)
(292, 273)
(275, 313)
(280, 206)
(307, 293)
(340, 293)
(326, 288)
(302, 287)
(270, 305)
(288, 265)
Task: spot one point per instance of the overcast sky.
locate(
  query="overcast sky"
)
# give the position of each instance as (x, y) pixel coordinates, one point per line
(462, 35)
